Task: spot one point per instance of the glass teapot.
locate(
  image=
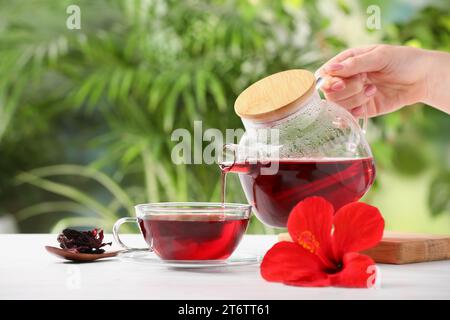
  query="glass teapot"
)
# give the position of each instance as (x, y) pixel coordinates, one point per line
(296, 145)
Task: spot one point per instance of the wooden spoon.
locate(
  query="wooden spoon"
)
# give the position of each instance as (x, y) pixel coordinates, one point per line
(85, 257)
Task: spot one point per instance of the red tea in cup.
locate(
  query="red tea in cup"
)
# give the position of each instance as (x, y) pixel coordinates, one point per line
(193, 237)
(190, 231)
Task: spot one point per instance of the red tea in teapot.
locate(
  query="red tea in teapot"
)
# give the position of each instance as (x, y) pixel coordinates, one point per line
(340, 181)
(193, 237)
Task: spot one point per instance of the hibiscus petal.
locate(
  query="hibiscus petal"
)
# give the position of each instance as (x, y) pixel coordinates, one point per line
(357, 226)
(289, 263)
(358, 271)
(310, 224)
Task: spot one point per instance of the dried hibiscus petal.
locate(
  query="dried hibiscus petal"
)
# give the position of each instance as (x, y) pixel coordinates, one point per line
(82, 241)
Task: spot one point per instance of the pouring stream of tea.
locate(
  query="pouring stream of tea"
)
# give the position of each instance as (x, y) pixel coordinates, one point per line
(223, 182)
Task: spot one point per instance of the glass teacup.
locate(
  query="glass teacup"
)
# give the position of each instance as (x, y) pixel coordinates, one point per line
(190, 230)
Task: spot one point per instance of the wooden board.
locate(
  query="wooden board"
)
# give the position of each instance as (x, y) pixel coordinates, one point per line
(402, 248)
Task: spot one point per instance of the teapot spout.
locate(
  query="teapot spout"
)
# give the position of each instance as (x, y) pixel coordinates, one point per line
(251, 152)
(228, 157)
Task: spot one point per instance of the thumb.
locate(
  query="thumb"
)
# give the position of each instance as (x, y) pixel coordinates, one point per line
(371, 61)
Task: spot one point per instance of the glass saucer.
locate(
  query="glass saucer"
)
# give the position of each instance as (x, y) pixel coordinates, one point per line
(150, 258)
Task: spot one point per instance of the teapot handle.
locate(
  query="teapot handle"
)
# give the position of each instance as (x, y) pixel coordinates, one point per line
(362, 121)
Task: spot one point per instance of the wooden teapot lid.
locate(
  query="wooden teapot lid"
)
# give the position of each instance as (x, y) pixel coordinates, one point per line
(276, 96)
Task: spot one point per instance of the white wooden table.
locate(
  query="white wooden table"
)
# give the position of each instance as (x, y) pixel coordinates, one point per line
(27, 271)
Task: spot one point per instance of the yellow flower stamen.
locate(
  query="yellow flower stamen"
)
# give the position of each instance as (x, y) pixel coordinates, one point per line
(307, 240)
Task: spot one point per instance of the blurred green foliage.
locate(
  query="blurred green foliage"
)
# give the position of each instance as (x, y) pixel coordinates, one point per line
(86, 115)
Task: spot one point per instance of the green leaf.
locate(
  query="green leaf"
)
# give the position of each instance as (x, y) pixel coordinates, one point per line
(125, 86)
(182, 182)
(114, 85)
(96, 93)
(439, 196)
(344, 7)
(150, 176)
(87, 172)
(131, 154)
(170, 104)
(142, 83)
(50, 207)
(189, 104)
(68, 192)
(408, 159)
(85, 89)
(383, 153)
(167, 182)
(159, 89)
(8, 106)
(217, 92)
(200, 89)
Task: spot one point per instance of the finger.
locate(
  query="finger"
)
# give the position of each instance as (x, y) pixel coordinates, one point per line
(352, 52)
(358, 111)
(341, 89)
(371, 61)
(334, 63)
(359, 99)
(331, 84)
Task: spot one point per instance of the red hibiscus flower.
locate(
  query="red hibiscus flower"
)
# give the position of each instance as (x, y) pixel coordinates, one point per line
(324, 248)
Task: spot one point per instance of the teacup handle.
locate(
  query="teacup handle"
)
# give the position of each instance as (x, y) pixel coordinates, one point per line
(116, 228)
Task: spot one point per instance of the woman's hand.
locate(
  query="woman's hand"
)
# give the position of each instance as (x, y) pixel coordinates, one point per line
(384, 78)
